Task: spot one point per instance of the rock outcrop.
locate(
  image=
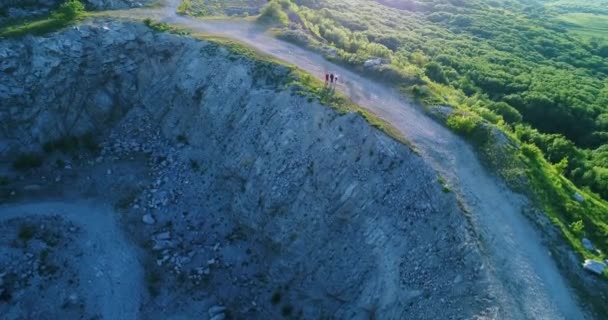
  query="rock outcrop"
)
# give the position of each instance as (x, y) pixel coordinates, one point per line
(261, 200)
(15, 8)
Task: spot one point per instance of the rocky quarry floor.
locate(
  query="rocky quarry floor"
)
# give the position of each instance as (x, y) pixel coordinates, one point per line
(164, 177)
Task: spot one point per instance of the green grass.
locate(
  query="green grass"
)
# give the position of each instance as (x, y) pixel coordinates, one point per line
(586, 25)
(40, 26)
(220, 8)
(164, 27)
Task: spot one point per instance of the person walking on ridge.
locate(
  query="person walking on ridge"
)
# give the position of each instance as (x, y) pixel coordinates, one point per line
(331, 78)
(326, 78)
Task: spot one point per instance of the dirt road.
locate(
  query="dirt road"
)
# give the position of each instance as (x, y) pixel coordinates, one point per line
(109, 273)
(527, 279)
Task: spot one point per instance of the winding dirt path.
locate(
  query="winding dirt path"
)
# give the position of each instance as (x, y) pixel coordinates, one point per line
(109, 273)
(527, 282)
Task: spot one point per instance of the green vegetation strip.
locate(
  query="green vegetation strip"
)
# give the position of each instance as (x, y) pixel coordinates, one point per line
(68, 13)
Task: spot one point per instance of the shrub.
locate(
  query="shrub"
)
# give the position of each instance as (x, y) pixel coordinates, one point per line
(70, 10)
(531, 151)
(488, 115)
(561, 166)
(420, 91)
(164, 27)
(185, 7)
(182, 138)
(26, 232)
(434, 71)
(72, 144)
(577, 227)
(194, 165)
(287, 310)
(276, 298)
(64, 144)
(153, 279)
(27, 161)
(510, 114)
(462, 123)
(273, 13)
(89, 142)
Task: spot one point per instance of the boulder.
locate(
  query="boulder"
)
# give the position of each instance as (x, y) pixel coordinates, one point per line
(216, 310)
(217, 313)
(148, 219)
(163, 236)
(372, 62)
(594, 266)
(587, 244)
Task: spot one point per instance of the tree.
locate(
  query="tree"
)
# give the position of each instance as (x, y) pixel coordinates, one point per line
(434, 71)
(510, 114)
(273, 13)
(419, 58)
(71, 9)
(602, 51)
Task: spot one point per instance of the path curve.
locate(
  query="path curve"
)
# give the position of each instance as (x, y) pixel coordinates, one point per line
(109, 272)
(528, 282)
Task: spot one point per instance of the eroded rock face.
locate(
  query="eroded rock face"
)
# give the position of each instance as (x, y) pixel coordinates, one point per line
(14, 8)
(265, 202)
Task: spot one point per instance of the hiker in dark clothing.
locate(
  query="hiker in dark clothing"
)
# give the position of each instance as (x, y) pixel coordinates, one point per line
(331, 78)
(326, 78)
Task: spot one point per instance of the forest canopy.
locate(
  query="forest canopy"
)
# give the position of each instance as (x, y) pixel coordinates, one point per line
(539, 67)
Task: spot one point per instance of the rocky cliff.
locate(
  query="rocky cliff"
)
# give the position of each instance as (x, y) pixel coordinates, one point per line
(247, 199)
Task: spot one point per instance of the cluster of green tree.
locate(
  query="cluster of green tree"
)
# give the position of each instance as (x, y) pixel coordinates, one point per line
(512, 61)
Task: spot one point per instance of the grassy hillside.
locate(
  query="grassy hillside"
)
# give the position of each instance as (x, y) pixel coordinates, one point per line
(588, 26)
(536, 71)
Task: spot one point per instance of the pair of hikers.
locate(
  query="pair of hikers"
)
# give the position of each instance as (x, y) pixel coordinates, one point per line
(331, 78)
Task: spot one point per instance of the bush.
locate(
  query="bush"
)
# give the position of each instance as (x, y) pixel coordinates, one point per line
(531, 151)
(273, 13)
(420, 91)
(462, 123)
(434, 71)
(64, 144)
(163, 27)
(72, 144)
(26, 232)
(489, 115)
(577, 227)
(27, 161)
(70, 10)
(510, 114)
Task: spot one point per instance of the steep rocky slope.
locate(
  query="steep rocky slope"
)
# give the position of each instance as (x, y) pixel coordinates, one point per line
(246, 199)
(17, 9)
